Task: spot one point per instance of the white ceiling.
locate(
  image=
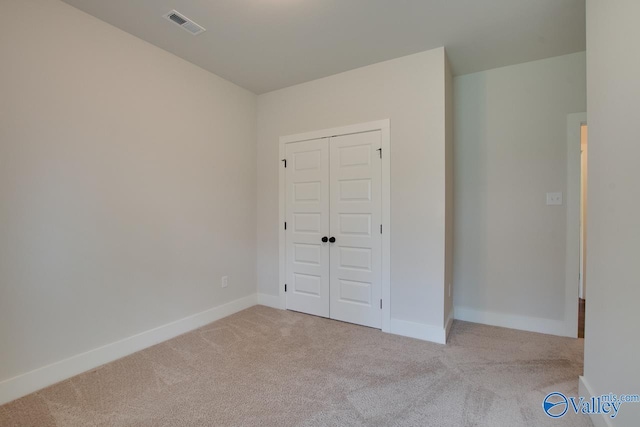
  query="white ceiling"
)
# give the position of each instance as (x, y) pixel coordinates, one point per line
(265, 45)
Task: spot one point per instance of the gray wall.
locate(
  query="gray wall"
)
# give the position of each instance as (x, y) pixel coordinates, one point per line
(612, 318)
(410, 91)
(510, 150)
(127, 186)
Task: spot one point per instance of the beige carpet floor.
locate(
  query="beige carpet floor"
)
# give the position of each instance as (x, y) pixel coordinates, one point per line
(267, 367)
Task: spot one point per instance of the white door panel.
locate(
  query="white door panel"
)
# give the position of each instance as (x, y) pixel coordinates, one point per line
(333, 188)
(307, 216)
(356, 215)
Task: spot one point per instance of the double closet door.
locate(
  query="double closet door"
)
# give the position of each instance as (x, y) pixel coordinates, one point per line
(334, 225)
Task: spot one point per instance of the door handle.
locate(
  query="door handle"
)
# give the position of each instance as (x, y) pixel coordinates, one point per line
(332, 239)
(325, 239)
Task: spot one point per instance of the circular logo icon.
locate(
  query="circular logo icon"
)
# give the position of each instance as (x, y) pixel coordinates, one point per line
(555, 405)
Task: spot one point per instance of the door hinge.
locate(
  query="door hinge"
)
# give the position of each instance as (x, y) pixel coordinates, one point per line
(380, 228)
(285, 162)
(285, 287)
(380, 304)
(380, 151)
(285, 225)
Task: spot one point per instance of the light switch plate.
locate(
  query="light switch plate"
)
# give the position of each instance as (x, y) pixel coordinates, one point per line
(554, 198)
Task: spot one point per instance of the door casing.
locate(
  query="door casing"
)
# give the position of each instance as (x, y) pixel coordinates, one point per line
(384, 127)
(572, 262)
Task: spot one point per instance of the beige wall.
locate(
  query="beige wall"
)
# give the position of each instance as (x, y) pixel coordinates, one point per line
(410, 91)
(127, 186)
(510, 150)
(612, 317)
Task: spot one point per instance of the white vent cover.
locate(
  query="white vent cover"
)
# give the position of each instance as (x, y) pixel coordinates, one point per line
(184, 22)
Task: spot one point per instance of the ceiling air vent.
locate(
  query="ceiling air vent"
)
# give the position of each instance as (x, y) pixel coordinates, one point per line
(184, 22)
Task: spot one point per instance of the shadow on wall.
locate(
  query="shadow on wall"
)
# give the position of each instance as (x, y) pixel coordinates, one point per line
(471, 213)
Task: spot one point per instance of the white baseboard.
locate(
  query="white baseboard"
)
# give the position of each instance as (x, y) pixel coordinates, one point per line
(599, 420)
(513, 321)
(272, 301)
(420, 331)
(21, 385)
(398, 327)
(447, 326)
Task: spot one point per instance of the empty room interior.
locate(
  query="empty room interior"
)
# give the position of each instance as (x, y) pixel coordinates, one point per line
(319, 213)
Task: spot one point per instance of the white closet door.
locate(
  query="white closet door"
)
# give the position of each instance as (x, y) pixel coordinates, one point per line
(356, 216)
(307, 216)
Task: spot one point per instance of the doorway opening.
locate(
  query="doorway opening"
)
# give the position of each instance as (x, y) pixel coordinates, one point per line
(584, 157)
(575, 208)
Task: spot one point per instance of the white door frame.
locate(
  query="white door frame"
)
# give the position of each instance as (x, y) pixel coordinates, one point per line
(384, 128)
(572, 257)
